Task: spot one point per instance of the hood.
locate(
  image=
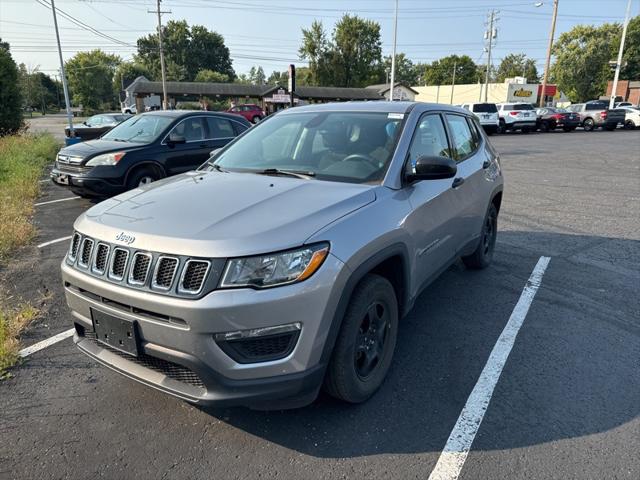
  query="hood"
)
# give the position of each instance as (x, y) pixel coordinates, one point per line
(214, 214)
(92, 148)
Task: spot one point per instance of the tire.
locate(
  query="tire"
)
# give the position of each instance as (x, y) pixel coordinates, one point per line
(568, 129)
(544, 127)
(502, 127)
(629, 125)
(362, 354)
(256, 119)
(483, 254)
(140, 177)
(610, 128)
(588, 125)
(525, 130)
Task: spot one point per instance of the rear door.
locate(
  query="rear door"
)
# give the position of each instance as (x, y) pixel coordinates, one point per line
(220, 130)
(469, 187)
(194, 152)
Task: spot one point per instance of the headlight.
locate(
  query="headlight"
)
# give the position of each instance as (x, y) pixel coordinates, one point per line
(274, 269)
(106, 159)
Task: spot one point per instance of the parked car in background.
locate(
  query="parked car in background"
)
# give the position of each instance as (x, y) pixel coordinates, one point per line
(487, 113)
(143, 149)
(623, 104)
(631, 117)
(596, 114)
(550, 118)
(96, 126)
(132, 109)
(517, 116)
(286, 263)
(252, 112)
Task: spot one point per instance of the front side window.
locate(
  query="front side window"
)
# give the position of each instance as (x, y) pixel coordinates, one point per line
(139, 129)
(192, 129)
(464, 143)
(353, 147)
(429, 140)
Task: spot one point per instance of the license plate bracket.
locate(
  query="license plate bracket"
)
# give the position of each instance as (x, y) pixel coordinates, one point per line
(115, 332)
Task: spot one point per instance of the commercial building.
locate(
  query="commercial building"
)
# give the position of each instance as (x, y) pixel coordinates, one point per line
(626, 91)
(512, 90)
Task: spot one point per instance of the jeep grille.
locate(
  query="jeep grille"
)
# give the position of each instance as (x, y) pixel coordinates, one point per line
(140, 268)
(100, 262)
(193, 276)
(85, 252)
(73, 249)
(118, 263)
(165, 271)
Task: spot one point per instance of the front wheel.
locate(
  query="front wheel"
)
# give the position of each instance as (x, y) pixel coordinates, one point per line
(364, 348)
(141, 177)
(483, 254)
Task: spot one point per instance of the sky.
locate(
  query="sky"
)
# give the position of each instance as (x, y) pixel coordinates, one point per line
(268, 32)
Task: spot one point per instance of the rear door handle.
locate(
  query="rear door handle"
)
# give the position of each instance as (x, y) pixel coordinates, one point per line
(457, 182)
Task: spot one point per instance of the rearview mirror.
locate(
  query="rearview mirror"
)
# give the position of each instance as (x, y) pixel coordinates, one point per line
(434, 168)
(175, 139)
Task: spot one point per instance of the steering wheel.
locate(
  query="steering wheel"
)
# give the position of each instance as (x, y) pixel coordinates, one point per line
(357, 157)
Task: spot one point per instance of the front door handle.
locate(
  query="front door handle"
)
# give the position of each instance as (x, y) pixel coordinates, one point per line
(486, 164)
(457, 182)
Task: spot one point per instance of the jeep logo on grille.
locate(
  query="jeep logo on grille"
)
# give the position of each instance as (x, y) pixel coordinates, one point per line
(124, 238)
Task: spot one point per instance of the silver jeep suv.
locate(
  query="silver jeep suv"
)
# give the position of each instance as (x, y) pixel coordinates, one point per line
(286, 262)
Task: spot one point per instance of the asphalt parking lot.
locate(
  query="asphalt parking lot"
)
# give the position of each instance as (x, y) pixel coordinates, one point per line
(567, 403)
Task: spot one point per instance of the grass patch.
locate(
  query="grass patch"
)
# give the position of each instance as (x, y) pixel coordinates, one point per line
(12, 323)
(22, 160)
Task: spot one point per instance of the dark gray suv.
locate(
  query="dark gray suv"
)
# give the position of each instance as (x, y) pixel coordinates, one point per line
(287, 261)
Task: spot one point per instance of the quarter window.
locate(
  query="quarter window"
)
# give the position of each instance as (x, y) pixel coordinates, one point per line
(220, 128)
(429, 139)
(464, 144)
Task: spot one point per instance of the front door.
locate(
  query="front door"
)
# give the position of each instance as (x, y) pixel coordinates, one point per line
(191, 154)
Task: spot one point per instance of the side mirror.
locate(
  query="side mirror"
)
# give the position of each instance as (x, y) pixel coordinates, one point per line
(434, 168)
(175, 139)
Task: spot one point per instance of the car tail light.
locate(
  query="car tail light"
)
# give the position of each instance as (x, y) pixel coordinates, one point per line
(514, 114)
(558, 116)
(603, 114)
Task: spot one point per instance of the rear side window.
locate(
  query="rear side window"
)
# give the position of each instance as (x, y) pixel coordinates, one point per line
(464, 142)
(596, 106)
(220, 128)
(429, 139)
(485, 108)
(191, 129)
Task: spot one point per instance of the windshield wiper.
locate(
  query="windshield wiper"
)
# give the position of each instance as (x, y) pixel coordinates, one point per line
(215, 166)
(305, 175)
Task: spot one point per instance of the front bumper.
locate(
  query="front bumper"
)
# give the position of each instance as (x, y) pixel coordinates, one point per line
(84, 184)
(182, 358)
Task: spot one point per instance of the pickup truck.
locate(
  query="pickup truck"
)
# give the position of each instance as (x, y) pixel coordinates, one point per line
(596, 114)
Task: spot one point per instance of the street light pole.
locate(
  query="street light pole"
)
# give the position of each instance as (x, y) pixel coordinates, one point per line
(62, 72)
(614, 87)
(393, 55)
(549, 47)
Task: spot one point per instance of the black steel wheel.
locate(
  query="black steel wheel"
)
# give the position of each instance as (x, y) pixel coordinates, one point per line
(364, 348)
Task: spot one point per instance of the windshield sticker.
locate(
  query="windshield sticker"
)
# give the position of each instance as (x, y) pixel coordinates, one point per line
(396, 115)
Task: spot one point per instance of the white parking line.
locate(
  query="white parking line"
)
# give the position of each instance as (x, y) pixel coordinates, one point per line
(46, 343)
(457, 448)
(57, 240)
(44, 181)
(56, 201)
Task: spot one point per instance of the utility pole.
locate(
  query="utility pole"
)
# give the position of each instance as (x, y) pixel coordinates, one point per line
(453, 80)
(62, 72)
(614, 87)
(490, 35)
(165, 98)
(549, 47)
(393, 55)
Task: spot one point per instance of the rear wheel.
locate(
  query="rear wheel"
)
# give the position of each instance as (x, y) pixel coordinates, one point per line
(588, 124)
(364, 348)
(544, 127)
(141, 177)
(256, 119)
(629, 125)
(502, 127)
(481, 257)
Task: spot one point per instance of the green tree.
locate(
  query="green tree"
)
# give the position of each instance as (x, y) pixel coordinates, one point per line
(440, 72)
(209, 76)
(517, 65)
(581, 68)
(10, 99)
(257, 76)
(352, 58)
(188, 50)
(631, 56)
(90, 76)
(405, 70)
(126, 73)
(278, 78)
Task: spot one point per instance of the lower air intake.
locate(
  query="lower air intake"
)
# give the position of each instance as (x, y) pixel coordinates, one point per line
(260, 349)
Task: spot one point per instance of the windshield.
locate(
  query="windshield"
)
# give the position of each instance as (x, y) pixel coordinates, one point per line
(353, 147)
(139, 129)
(485, 108)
